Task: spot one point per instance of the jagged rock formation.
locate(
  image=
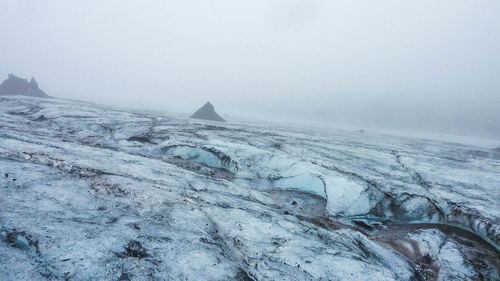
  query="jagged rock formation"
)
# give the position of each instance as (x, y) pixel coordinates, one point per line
(207, 112)
(19, 86)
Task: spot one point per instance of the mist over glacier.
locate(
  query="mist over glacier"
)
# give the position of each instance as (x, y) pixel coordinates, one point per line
(426, 65)
(250, 140)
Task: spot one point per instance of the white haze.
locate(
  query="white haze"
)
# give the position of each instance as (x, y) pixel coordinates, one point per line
(412, 65)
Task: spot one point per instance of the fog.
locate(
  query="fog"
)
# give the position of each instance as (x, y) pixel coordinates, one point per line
(412, 65)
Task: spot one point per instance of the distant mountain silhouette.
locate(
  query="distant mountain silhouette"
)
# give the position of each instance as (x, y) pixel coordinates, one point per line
(20, 86)
(207, 112)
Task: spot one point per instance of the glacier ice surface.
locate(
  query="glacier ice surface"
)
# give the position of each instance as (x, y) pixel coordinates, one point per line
(99, 193)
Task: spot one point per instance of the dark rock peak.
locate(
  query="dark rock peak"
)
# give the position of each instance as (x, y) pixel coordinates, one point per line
(19, 86)
(207, 112)
(209, 105)
(33, 82)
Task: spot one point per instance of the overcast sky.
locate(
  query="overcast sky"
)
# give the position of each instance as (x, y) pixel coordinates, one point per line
(422, 65)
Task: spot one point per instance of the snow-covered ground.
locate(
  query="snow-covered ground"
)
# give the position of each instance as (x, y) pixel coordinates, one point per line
(96, 193)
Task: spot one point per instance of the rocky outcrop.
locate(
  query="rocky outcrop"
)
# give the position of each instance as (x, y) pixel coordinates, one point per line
(19, 86)
(207, 112)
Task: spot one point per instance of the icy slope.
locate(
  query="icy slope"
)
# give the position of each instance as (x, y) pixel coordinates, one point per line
(95, 193)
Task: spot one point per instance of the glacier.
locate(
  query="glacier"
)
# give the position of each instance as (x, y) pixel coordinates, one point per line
(92, 192)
